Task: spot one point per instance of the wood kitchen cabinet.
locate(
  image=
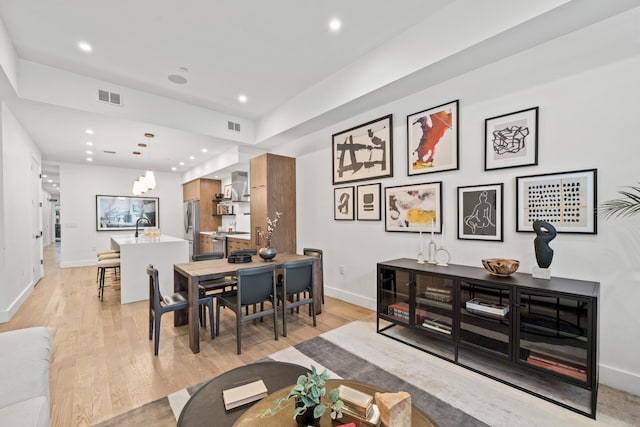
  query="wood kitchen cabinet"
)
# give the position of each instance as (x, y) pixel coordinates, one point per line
(206, 244)
(237, 244)
(273, 188)
(204, 190)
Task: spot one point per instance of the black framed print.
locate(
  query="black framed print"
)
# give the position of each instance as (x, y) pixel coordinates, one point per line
(566, 200)
(122, 212)
(343, 204)
(368, 202)
(480, 212)
(432, 139)
(414, 208)
(363, 152)
(511, 140)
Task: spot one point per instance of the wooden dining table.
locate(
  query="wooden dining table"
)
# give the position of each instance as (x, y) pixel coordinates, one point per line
(187, 277)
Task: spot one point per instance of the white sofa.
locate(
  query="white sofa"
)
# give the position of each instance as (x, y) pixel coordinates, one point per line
(24, 377)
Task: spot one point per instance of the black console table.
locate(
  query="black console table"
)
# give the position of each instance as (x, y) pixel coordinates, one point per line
(539, 336)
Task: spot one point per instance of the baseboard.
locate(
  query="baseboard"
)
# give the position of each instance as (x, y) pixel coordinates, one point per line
(9, 312)
(350, 297)
(622, 380)
(79, 263)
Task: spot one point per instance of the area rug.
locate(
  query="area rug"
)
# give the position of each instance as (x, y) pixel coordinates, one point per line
(451, 395)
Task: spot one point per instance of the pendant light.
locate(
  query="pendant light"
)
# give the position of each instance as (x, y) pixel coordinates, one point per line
(149, 178)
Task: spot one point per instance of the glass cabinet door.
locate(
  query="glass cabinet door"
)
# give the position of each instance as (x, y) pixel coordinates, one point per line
(553, 334)
(393, 298)
(434, 304)
(485, 318)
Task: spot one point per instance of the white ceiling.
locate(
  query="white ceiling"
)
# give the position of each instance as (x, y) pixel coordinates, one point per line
(273, 51)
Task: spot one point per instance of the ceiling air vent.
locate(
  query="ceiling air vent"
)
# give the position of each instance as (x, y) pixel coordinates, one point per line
(233, 126)
(109, 152)
(109, 97)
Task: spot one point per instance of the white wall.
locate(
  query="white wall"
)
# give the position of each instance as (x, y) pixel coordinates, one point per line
(16, 234)
(79, 186)
(587, 120)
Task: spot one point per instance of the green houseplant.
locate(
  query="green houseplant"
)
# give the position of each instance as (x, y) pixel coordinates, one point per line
(628, 205)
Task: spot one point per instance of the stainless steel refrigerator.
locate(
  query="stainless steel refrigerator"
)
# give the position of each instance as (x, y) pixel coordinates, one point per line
(192, 226)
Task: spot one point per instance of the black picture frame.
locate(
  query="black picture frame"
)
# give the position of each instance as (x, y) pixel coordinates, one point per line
(433, 142)
(413, 208)
(343, 204)
(122, 212)
(368, 198)
(566, 200)
(364, 152)
(481, 212)
(511, 140)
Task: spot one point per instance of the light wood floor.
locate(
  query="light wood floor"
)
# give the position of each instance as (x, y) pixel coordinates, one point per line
(103, 362)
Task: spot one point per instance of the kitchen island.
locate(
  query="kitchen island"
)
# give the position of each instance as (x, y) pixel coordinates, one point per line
(136, 253)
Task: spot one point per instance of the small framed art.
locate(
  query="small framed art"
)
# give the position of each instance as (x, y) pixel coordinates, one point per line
(511, 140)
(368, 202)
(364, 152)
(227, 191)
(414, 208)
(480, 212)
(432, 139)
(566, 200)
(343, 204)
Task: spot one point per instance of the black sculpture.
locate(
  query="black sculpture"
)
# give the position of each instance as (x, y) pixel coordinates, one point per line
(545, 233)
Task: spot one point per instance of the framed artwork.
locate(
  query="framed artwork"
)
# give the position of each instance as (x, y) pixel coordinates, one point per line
(480, 212)
(432, 139)
(368, 197)
(566, 200)
(227, 191)
(122, 212)
(414, 208)
(343, 204)
(511, 140)
(364, 152)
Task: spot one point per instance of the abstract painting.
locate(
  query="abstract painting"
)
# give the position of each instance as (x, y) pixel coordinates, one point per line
(343, 204)
(363, 152)
(122, 212)
(566, 200)
(368, 197)
(511, 140)
(480, 212)
(432, 139)
(414, 208)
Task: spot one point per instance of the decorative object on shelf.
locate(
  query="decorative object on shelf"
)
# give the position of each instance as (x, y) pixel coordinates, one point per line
(545, 233)
(122, 212)
(432, 244)
(267, 253)
(147, 181)
(566, 200)
(511, 140)
(227, 192)
(502, 267)
(414, 208)
(442, 256)
(432, 139)
(369, 202)
(420, 254)
(629, 205)
(343, 204)
(309, 393)
(363, 152)
(480, 212)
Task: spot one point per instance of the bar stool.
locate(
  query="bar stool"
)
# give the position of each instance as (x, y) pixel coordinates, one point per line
(103, 266)
(108, 254)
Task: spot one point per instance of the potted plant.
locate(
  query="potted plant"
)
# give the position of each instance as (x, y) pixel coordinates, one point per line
(311, 399)
(628, 205)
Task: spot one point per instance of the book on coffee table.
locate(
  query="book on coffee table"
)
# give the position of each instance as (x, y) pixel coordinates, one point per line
(239, 394)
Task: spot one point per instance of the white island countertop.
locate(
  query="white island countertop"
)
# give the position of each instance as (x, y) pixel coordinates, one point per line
(132, 240)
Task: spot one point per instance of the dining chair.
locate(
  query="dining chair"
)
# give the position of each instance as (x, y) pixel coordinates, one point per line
(214, 286)
(318, 254)
(297, 280)
(207, 256)
(160, 304)
(256, 285)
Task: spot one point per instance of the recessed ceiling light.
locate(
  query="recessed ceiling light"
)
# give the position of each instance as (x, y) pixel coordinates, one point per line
(204, 150)
(173, 168)
(89, 131)
(49, 180)
(55, 185)
(191, 158)
(177, 79)
(242, 98)
(181, 163)
(89, 159)
(85, 47)
(335, 24)
(44, 176)
(89, 143)
(89, 152)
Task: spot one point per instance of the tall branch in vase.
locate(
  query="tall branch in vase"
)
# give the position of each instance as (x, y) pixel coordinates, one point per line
(272, 223)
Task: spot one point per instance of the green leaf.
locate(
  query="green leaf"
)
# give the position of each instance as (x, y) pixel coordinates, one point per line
(319, 410)
(333, 395)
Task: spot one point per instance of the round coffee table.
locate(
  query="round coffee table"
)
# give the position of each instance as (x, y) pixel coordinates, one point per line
(284, 417)
(206, 407)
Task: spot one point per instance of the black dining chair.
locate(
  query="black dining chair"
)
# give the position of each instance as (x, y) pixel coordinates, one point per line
(297, 280)
(159, 304)
(207, 256)
(256, 285)
(318, 254)
(214, 286)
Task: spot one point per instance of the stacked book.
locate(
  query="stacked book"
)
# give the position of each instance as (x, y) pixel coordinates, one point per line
(479, 306)
(400, 310)
(566, 364)
(436, 325)
(436, 294)
(242, 393)
(358, 407)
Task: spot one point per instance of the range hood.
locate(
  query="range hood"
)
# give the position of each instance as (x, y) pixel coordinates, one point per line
(239, 186)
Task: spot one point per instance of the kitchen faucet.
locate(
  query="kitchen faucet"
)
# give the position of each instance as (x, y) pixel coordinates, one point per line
(138, 223)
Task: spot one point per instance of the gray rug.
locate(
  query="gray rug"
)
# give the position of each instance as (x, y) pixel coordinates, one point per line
(451, 395)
